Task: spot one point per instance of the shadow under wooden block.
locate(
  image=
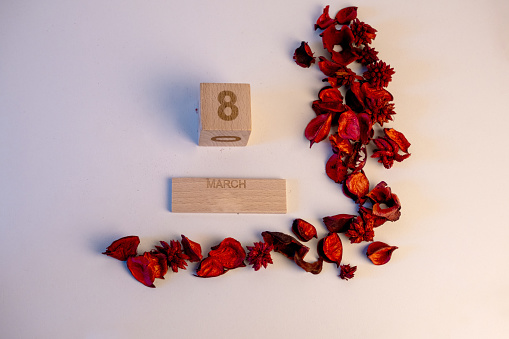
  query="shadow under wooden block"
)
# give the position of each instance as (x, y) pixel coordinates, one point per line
(225, 114)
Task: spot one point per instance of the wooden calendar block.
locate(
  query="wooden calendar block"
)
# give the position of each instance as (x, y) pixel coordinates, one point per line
(225, 114)
(219, 195)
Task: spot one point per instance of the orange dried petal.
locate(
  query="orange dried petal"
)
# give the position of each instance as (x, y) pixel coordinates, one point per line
(229, 253)
(379, 252)
(303, 230)
(318, 128)
(210, 267)
(331, 248)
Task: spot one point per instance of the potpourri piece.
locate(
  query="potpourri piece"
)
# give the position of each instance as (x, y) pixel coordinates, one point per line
(349, 113)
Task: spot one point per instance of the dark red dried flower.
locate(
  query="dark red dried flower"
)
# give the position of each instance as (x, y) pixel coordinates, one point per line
(347, 271)
(388, 148)
(360, 231)
(367, 56)
(324, 20)
(366, 128)
(347, 14)
(398, 137)
(303, 230)
(381, 110)
(363, 33)
(339, 223)
(340, 145)
(379, 252)
(336, 169)
(210, 267)
(158, 263)
(123, 248)
(259, 255)
(174, 255)
(303, 55)
(191, 249)
(379, 74)
(285, 244)
(229, 254)
(385, 203)
(344, 38)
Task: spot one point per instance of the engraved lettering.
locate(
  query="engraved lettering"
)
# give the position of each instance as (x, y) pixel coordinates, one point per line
(219, 184)
(242, 183)
(235, 183)
(211, 184)
(226, 183)
(234, 110)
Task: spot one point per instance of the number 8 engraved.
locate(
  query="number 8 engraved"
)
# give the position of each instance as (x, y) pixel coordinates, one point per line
(230, 103)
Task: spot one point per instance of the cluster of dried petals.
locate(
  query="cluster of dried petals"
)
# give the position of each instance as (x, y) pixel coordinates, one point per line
(347, 271)
(379, 74)
(388, 147)
(259, 255)
(154, 264)
(228, 255)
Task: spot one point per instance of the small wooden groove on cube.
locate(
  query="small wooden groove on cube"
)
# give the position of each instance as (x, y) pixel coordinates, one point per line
(228, 195)
(225, 114)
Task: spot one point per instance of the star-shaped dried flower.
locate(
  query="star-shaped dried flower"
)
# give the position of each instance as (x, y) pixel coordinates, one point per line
(259, 255)
(347, 271)
(360, 231)
(367, 56)
(362, 32)
(379, 74)
(174, 255)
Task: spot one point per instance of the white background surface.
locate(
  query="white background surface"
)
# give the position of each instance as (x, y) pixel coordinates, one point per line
(97, 113)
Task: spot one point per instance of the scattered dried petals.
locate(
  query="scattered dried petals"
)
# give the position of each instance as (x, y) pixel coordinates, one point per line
(379, 252)
(303, 230)
(347, 271)
(191, 249)
(259, 255)
(123, 248)
(303, 55)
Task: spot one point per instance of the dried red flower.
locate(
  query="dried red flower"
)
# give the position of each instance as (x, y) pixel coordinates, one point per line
(123, 248)
(303, 55)
(379, 252)
(367, 56)
(347, 271)
(339, 223)
(397, 137)
(348, 126)
(303, 230)
(363, 33)
(209, 268)
(347, 14)
(356, 186)
(388, 149)
(141, 270)
(366, 128)
(360, 231)
(385, 203)
(158, 263)
(318, 128)
(336, 169)
(229, 253)
(259, 255)
(379, 74)
(174, 255)
(331, 248)
(191, 249)
(324, 20)
(340, 145)
(344, 38)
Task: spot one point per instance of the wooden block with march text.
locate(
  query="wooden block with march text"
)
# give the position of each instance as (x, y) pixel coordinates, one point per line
(225, 114)
(219, 195)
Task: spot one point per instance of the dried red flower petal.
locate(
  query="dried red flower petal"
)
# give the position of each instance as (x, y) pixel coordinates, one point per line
(303, 55)
(360, 231)
(379, 74)
(387, 148)
(356, 186)
(303, 230)
(318, 128)
(123, 248)
(331, 248)
(229, 253)
(347, 271)
(210, 267)
(141, 269)
(379, 252)
(191, 249)
(331, 37)
(366, 128)
(344, 16)
(324, 20)
(329, 68)
(340, 145)
(363, 33)
(174, 255)
(314, 267)
(371, 219)
(397, 137)
(348, 126)
(285, 244)
(158, 263)
(259, 255)
(335, 168)
(339, 223)
(330, 94)
(344, 38)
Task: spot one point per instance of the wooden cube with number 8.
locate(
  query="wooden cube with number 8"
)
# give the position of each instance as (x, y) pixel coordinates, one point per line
(225, 114)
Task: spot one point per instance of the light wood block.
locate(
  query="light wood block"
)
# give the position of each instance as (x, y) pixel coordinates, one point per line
(225, 114)
(219, 195)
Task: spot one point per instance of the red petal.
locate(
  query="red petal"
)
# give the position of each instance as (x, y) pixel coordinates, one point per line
(366, 128)
(329, 68)
(344, 16)
(285, 244)
(324, 20)
(331, 37)
(340, 145)
(391, 213)
(318, 128)
(332, 248)
(357, 185)
(141, 270)
(348, 126)
(330, 94)
(335, 168)
(398, 137)
(157, 263)
(123, 248)
(229, 253)
(303, 230)
(380, 253)
(314, 268)
(380, 193)
(338, 223)
(303, 55)
(210, 267)
(191, 249)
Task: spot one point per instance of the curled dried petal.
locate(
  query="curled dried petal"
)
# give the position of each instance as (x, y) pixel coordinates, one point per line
(348, 126)
(324, 20)
(379, 252)
(335, 168)
(339, 223)
(340, 145)
(357, 186)
(303, 55)
(285, 244)
(210, 267)
(318, 128)
(331, 248)
(158, 263)
(330, 94)
(123, 248)
(398, 137)
(303, 230)
(314, 267)
(344, 16)
(229, 253)
(366, 128)
(329, 68)
(191, 249)
(141, 270)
